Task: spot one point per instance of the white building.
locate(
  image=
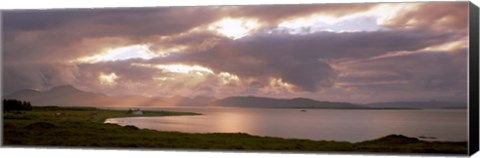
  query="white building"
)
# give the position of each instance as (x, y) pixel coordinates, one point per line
(137, 112)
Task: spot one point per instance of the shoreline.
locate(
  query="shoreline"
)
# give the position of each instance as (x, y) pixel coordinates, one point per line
(421, 138)
(83, 127)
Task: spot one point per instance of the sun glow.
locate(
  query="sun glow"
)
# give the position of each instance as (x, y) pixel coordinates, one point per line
(277, 82)
(234, 28)
(179, 68)
(227, 78)
(122, 53)
(277, 86)
(450, 46)
(108, 79)
(385, 13)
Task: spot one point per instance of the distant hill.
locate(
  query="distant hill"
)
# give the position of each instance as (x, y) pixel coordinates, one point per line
(198, 101)
(420, 105)
(70, 96)
(61, 95)
(263, 102)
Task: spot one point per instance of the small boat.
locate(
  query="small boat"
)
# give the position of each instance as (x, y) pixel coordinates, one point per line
(303, 110)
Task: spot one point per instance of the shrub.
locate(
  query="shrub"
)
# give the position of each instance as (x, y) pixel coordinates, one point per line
(10, 105)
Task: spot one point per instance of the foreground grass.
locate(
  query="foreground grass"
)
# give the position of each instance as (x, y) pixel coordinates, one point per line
(84, 127)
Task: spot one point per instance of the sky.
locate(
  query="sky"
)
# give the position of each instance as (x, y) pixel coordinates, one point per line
(369, 52)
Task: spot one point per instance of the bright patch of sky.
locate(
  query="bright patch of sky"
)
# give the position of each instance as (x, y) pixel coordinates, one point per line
(108, 79)
(122, 53)
(177, 68)
(234, 28)
(371, 20)
(319, 24)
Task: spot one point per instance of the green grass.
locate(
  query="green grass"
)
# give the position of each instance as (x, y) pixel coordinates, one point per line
(84, 127)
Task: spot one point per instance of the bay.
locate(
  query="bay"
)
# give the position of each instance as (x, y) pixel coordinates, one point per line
(313, 124)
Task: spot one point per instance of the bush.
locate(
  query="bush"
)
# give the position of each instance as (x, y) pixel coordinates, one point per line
(16, 105)
(41, 125)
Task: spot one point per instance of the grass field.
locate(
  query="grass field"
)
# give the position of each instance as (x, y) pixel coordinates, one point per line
(84, 127)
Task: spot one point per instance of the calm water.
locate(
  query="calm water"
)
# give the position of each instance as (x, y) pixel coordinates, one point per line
(316, 124)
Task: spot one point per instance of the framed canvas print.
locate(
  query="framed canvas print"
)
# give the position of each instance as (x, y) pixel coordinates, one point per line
(361, 78)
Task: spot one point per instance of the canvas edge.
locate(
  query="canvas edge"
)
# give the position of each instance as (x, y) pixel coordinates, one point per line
(473, 58)
(1, 77)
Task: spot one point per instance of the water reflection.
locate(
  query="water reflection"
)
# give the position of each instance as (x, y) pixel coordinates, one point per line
(316, 124)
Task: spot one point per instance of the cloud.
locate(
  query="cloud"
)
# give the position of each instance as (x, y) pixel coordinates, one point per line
(134, 78)
(300, 59)
(421, 75)
(274, 14)
(34, 40)
(39, 47)
(37, 76)
(75, 33)
(139, 22)
(441, 16)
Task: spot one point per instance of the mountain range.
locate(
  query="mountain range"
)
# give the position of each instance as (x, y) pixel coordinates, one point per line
(263, 102)
(68, 95)
(420, 105)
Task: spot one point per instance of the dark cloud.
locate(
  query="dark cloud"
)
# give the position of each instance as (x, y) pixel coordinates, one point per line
(33, 40)
(130, 78)
(297, 59)
(421, 75)
(68, 33)
(110, 22)
(36, 75)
